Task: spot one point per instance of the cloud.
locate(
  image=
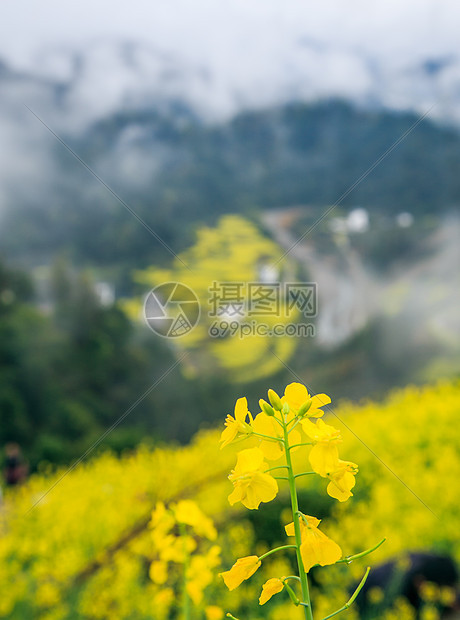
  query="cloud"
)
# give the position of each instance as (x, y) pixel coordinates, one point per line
(75, 63)
(252, 53)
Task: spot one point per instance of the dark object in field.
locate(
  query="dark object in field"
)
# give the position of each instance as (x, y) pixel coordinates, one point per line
(15, 468)
(410, 577)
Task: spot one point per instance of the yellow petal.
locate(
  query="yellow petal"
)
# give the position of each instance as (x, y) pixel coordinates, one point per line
(235, 424)
(249, 460)
(230, 432)
(272, 449)
(320, 431)
(241, 570)
(340, 486)
(262, 488)
(241, 409)
(236, 495)
(320, 400)
(295, 395)
(317, 548)
(312, 523)
(270, 587)
(266, 425)
(309, 428)
(324, 458)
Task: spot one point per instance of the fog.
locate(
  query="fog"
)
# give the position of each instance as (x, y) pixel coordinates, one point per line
(222, 57)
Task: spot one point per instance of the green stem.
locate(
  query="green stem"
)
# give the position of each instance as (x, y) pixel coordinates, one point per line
(305, 473)
(298, 538)
(351, 600)
(265, 555)
(350, 558)
(296, 423)
(267, 436)
(277, 467)
(304, 443)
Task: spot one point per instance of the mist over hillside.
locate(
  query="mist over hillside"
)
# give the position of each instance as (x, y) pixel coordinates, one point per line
(331, 129)
(177, 134)
(177, 170)
(226, 58)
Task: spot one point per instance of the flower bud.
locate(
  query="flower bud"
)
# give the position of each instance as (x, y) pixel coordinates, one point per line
(292, 594)
(304, 408)
(266, 407)
(275, 400)
(285, 409)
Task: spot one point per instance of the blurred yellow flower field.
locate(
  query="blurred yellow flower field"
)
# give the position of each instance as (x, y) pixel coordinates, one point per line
(81, 543)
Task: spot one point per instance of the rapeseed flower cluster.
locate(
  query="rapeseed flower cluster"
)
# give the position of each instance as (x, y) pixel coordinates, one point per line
(182, 537)
(284, 425)
(83, 552)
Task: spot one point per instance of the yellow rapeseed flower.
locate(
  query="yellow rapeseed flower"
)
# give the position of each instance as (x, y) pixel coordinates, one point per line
(296, 394)
(162, 519)
(176, 548)
(241, 570)
(447, 596)
(251, 484)
(324, 455)
(213, 612)
(429, 591)
(267, 425)
(200, 573)
(158, 572)
(237, 424)
(187, 511)
(429, 612)
(375, 595)
(269, 589)
(316, 547)
(342, 480)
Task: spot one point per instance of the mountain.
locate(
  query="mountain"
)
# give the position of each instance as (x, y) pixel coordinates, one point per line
(180, 148)
(158, 131)
(175, 172)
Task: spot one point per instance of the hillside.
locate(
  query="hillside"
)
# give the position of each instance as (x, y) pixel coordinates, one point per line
(177, 172)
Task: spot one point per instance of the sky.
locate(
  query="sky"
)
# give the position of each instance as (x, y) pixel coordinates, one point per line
(262, 51)
(239, 35)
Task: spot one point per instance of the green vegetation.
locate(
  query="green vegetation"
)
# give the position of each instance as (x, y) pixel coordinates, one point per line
(71, 366)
